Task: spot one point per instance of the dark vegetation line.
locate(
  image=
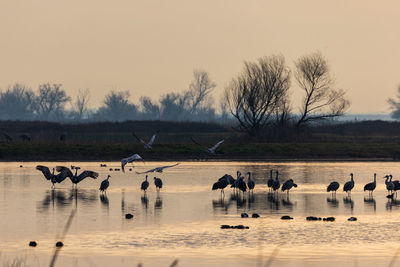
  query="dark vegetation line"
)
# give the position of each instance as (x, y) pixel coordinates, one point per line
(114, 140)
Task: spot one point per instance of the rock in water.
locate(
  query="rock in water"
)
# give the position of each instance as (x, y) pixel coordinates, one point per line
(286, 217)
(59, 244)
(128, 216)
(32, 244)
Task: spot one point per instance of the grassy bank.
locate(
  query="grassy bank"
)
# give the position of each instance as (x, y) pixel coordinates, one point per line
(182, 152)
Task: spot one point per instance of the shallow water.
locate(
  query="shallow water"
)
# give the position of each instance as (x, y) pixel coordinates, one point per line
(183, 220)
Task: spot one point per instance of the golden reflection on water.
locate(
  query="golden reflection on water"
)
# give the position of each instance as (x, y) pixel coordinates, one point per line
(183, 220)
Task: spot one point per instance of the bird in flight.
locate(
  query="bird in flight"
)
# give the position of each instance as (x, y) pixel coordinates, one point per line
(149, 144)
(75, 178)
(210, 150)
(132, 158)
(158, 169)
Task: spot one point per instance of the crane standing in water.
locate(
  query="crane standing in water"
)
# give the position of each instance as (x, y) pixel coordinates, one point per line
(75, 178)
(348, 186)
(371, 186)
(333, 187)
(105, 184)
(250, 183)
(158, 183)
(145, 185)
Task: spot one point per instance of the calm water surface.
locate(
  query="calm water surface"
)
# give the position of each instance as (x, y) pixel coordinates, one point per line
(183, 220)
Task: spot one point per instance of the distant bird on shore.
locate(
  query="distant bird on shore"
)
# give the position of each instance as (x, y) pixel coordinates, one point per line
(348, 186)
(250, 183)
(158, 183)
(371, 186)
(210, 150)
(270, 181)
(134, 157)
(287, 185)
(158, 169)
(333, 187)
(149, 144)
(276, 184)
(75, 178)
(145, 185)
(51, 176)
(105, 184)
(7, 137)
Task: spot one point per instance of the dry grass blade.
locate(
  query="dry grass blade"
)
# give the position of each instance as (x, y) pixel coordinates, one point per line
(272, 256)
(66, 228)
(174, 263)
(392, 262)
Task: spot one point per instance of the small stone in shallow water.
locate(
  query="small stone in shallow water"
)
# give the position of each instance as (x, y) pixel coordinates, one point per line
(244, 215)
(32, 244)
(286, 217)
(111, 169)
(255, 215)
(128, 216)
(130, 169)
(225, 226)
(329, 219)
(20, 166)
(352, 219)
(313, 218)
(59, 244)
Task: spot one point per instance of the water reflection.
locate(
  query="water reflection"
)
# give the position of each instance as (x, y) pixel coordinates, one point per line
(348, 202)
(332, 201)
(286, 202)
(158, 203)
(145, 201)
(392, 203)
(370, 201)
(59, 198)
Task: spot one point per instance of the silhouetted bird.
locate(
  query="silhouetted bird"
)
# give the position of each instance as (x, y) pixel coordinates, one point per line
(250, 183)
(158, 183)
(332, 187)
(210, 150)
(105, 184)
(231, 180)
(132, 158)
(221, 184)
(145, 185)
(158, 169)
(75, 178)
(146, 145)
(51, 176)
(348, 186)
(287, 185)
(270, 180)
(242, 185)
(389, 184)
(276, 184)
(371, 186)
(236, 181)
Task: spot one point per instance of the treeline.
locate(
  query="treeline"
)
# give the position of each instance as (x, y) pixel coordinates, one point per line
(50, 102)
(256, 102)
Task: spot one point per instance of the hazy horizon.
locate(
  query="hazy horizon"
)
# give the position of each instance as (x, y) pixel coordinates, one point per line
(151, 48)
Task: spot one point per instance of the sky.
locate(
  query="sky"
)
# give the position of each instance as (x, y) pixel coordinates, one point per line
(152, 47)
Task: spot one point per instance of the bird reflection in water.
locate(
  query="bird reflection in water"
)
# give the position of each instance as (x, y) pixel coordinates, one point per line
(59, 197)
(104, 200)
(392, 203)
(348, 202)
(332, 201)
(273, 200)
(158, 204)
(251, 199)
(286, 202)
(221, 204)
(145, 201)
(370, 201)
(240, 201)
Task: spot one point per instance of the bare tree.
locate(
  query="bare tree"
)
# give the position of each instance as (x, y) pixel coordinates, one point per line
(50, 101)
(395, 105)
(80, 105)
(255, 94)
(321, 101)
(197, 97)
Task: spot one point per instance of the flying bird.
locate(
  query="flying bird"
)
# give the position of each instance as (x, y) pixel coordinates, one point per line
(105, 184)
(75, 178)
(158, 169)
(132, 158)
(149, 144)
(210, 150)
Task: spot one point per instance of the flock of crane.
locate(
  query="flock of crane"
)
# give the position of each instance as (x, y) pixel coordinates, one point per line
(274, 185)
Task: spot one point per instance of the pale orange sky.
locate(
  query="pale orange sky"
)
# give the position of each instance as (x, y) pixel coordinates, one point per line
(151, 47)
